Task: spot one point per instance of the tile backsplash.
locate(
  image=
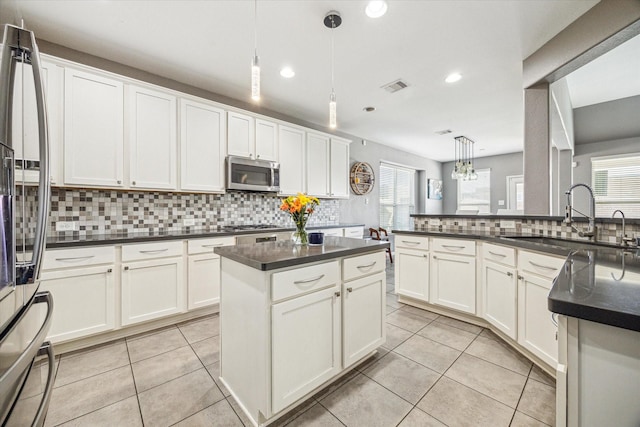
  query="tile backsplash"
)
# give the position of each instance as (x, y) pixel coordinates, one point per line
(110, 211)
(606, 232)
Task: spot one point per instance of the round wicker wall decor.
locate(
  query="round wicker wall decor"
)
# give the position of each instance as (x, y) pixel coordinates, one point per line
(362, 178)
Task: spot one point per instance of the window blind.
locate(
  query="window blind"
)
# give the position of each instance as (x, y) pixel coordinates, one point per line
(397, 196)
(616, 184)
(476, 194)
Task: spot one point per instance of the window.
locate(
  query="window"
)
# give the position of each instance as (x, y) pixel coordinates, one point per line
(397, 196)
(616, 184)
(476, 194)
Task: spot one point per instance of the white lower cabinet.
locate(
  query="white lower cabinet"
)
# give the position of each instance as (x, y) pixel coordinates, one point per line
(500, 297)
(536, 330)
(354, 232)
(363, 327)
(203, 271)
(152, 289)
(84, 301)
(412, 273)
(453, 281)
(305, 344)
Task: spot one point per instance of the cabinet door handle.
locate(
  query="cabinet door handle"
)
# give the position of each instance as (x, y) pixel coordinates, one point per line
(212, 245)
(453, 246)
(435, 257)
(497, 254)
(361, 267)
(337, 294)
(119, 181)
(156, 251)
(520, 277)
(75, 258)
(541, 266)
(350, 289)
(126, 268)
(510, 274)
(315, 279)
(133, 183)
(409, 242)
(426, 256)
(554, 319)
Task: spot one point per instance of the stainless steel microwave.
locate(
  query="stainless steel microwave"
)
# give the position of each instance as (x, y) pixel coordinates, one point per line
(252, 175)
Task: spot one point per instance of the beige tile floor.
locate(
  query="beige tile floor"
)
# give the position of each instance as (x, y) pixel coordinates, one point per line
(432, 371)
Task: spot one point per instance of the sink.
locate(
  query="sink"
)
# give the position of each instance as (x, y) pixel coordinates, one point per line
(571, 244)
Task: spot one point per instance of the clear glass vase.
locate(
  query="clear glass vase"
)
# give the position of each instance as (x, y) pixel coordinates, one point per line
(300, 236)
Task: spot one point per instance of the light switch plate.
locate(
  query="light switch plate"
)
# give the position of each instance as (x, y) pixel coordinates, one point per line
(67, 226)
(507, 224)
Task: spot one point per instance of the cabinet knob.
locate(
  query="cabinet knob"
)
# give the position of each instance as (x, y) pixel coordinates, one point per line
(510, 274)
(435, 257)
(119, 181)
(350, 289)
(133, 183)
(126, 268)
(338, 294)
(109, 270)
(520, 277)
(257, 156)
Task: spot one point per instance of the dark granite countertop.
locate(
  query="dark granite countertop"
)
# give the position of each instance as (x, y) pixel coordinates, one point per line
(597, 282)
(273, 255)
(495, 217)
(54, 242)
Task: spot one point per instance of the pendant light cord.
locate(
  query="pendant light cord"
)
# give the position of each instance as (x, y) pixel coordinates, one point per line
(333, 27)
(255, 27)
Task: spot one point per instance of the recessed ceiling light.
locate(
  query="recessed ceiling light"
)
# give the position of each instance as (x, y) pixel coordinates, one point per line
(369, 109)
(376, 8)
(287, 72)
(453, 77)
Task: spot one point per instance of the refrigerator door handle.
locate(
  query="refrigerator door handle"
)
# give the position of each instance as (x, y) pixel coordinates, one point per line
(28, 272)
(12, 375)
(47, 349)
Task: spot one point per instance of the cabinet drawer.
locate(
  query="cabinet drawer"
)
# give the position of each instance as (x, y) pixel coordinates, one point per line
(542, 265)
(290, 283)
(354, 232)
(151, 250)
(412, 242)
(501, 254)
(363, 265)
(201, 246)
(331, 232)
(455, 246)
(78, 257)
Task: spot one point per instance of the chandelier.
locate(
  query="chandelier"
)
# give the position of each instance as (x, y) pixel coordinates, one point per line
(463, 166)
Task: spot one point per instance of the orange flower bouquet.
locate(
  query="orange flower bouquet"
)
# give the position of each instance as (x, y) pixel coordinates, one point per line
(300, 207)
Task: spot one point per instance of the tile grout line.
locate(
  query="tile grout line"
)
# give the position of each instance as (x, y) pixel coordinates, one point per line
(126, 344)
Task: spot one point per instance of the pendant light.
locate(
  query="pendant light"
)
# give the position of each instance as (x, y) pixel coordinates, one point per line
(464, 156)
(255, 62)
(332, 21)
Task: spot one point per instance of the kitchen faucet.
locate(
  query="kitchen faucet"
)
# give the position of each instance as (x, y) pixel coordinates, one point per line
(624, 240)
(591, 230)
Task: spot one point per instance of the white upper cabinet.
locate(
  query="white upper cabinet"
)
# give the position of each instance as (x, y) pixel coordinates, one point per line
(317, 165)
(339, 168)
(292, 164)
(202, 133)
(152, 139)
(240, 135)
(24, 126)
(266, 140)
(93, 130)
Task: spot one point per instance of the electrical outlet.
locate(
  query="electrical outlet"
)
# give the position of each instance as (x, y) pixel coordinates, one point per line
(500, 202)
(507, 224)
(189, 222)
(332, 218)
(66, 226)
(434, 221)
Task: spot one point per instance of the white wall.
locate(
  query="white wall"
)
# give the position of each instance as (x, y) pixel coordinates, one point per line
(366, 209)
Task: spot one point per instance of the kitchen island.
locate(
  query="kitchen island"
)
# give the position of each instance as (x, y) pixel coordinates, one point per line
(294, 318)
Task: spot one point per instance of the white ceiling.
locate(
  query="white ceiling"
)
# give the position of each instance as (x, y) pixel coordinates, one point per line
(614, 75)
(209, 44)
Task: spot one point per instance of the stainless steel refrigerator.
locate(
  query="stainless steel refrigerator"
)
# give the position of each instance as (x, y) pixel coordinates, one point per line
(26, 360)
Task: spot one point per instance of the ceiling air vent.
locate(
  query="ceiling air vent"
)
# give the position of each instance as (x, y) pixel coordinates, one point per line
(395, 86)
(443, 132)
